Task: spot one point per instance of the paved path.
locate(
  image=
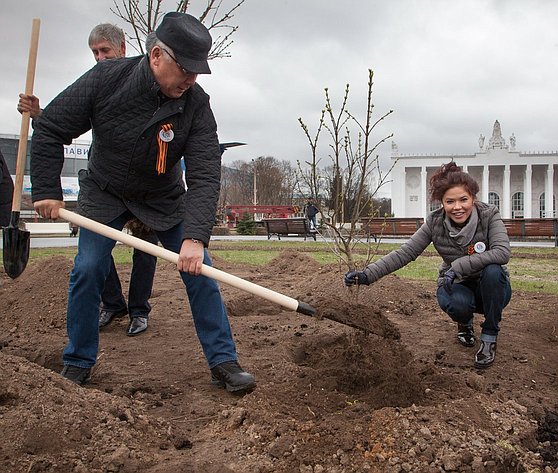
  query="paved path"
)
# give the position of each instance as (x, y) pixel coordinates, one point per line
(67, 242)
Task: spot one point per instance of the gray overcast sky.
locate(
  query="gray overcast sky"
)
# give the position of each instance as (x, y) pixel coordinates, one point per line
(448, 69)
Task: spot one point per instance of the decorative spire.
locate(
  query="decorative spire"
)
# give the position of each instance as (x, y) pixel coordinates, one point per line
(497, 141)
(512, 142)
(394, 149)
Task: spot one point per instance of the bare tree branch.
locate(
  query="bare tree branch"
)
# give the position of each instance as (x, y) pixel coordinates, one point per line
(355, 176)
(145, 19)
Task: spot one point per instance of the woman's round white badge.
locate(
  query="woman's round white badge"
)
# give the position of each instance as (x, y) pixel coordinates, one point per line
(480, 247)
(166, 136)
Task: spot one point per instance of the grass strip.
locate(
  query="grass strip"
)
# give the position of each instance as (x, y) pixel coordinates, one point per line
(531, 269)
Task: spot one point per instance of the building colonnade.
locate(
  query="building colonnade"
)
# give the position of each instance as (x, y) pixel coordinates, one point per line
(521, 185)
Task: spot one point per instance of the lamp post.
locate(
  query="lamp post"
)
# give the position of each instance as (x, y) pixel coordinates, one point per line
(255, 199)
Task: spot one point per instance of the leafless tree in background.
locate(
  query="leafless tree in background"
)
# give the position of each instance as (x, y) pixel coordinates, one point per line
(354, 176)
(275, 182)
(214, 14)
(236, 184)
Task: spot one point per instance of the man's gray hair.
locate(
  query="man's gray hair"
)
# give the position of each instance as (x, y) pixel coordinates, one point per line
(151, 41)
(109, 32)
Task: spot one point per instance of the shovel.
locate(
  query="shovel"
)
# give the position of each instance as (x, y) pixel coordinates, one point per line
(172, 257)
(15, 240)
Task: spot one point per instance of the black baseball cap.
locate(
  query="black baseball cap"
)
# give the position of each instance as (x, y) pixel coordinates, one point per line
(188, 38)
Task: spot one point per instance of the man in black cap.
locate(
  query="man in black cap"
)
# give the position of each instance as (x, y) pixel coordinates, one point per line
(146, 113)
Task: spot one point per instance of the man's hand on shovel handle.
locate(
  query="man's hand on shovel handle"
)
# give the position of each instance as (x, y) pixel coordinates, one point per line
(48, 208)
(29, 103)
(190, 258)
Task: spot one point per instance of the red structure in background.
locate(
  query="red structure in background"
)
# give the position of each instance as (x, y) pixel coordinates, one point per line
(235, 212)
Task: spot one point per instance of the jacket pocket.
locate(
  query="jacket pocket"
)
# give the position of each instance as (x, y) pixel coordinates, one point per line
(90, 174)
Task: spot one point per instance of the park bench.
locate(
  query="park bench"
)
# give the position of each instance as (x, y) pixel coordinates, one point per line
(524, 228)
(288, 227)
(390, 227)
(45, 229)
(518, 228)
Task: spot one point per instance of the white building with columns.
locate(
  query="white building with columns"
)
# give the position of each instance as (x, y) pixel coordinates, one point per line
(521, 184)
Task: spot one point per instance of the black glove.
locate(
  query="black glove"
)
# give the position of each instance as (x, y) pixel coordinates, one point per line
(356, 277)
(449, 276)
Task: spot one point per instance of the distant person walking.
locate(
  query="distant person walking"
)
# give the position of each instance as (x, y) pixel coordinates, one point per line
(472, 240)
(107, 41)
(311, 213)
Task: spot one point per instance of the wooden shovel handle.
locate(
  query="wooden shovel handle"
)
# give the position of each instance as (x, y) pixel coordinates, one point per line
(167, 255)
(24, 132)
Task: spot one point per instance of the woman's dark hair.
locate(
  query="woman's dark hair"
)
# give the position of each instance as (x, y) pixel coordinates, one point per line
(450, 175)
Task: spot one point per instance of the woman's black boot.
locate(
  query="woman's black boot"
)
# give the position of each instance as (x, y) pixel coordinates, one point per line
(486, 354)
(466, 335)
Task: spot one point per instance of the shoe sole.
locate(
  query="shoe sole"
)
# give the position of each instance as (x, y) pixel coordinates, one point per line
(129, 334)
(85, 381)
(233, 389)
(483, 366)
(465, 344)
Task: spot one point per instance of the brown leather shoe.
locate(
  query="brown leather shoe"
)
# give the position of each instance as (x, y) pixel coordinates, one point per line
(486, 354)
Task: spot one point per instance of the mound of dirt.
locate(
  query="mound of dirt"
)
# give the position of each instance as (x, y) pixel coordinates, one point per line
(398, 395)
(37, 293)
(61, 427)
(293, 261)
(381, 372)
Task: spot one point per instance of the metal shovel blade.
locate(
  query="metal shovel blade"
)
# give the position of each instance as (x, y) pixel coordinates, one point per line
(15, 247)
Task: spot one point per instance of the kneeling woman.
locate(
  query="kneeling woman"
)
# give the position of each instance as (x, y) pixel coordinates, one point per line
(472, 240)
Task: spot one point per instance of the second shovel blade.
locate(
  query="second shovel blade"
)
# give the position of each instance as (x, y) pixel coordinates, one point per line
(16, 243)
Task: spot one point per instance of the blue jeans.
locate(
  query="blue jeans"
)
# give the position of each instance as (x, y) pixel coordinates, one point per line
(141, 284)
(487, 295)
(87, 279)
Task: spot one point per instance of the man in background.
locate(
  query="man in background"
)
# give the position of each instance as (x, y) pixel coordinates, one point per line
(107, 41)
(6, 193)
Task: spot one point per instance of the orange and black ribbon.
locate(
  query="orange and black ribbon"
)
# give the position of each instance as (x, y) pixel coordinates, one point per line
(163, 145)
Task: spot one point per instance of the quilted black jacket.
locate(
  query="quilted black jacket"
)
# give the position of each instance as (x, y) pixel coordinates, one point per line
(121, 102)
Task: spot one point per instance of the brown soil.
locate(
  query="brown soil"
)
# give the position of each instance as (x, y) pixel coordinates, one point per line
(402, 396)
